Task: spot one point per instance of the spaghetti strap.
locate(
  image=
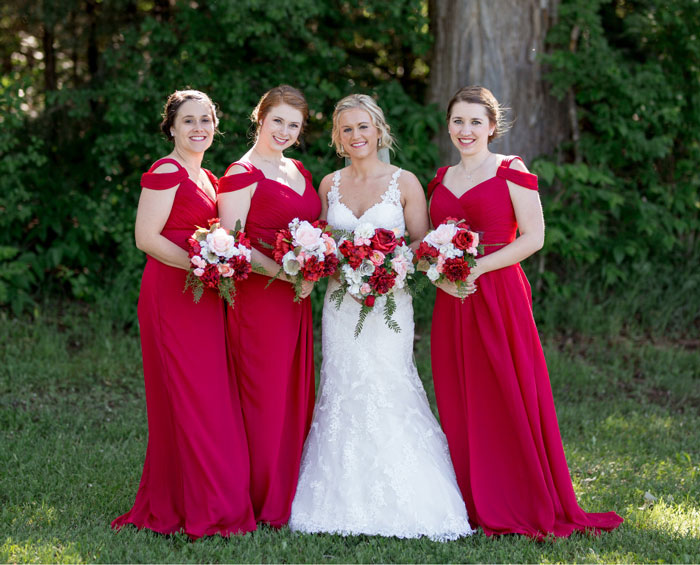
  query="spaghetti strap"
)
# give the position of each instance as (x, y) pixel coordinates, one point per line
(238, 181)
(163, 181)
(527, 180)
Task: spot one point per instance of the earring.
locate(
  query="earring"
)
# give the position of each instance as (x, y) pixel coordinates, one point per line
(172, 134)
(379, 144)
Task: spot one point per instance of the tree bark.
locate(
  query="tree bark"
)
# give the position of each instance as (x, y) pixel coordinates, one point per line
(496, 43)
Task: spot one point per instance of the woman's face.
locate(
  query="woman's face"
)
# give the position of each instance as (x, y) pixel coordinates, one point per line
(469, 127)
(280, 127)
(193, 128)
(358, 135)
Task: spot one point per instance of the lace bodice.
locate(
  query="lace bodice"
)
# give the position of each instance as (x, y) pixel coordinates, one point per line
(387, 213)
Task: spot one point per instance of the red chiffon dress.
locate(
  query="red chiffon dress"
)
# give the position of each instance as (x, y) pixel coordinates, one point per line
(196, 474)
(492, 387)
(272, 349)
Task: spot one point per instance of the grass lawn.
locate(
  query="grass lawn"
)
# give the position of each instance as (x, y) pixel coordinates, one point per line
(73, 425)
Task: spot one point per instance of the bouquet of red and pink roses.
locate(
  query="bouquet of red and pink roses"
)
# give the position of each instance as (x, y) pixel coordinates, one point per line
(306, 251)
(219, 257)
(448, 252)
(374, 262)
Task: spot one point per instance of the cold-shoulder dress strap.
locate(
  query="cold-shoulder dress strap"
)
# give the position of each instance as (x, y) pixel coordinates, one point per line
(163, 181)
(436, 180)
(528, 180)
(241, 180)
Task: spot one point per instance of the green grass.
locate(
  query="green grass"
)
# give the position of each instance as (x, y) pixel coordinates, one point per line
(73, 425)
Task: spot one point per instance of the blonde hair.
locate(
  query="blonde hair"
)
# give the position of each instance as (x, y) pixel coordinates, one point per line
(484, 97)
(366, 103)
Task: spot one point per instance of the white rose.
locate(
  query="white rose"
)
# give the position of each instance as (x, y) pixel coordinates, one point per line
(290, 264)
(307, 236)
(441, 235)
(449, 251)
(366, 268)
(221, 243)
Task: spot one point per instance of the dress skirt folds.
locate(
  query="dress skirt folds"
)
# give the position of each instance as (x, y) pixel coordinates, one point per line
(492, 385)
(272, 349)
(196, 474)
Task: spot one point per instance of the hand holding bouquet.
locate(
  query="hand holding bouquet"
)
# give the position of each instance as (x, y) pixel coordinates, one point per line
(306, 251)
(219, 257)
(373, 263)
(448, 253)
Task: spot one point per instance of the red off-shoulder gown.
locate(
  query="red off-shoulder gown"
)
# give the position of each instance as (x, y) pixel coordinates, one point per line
(196, 474)
(272, 350)
(492, 386)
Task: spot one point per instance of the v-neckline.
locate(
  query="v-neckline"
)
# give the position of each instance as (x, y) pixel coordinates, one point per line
(397, 172)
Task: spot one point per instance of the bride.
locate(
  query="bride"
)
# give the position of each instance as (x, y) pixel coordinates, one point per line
(375, 461)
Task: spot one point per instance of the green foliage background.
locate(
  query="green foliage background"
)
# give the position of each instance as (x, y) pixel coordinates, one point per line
(79, 124)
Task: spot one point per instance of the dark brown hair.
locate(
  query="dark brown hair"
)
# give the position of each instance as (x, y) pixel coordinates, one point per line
(483, 96)
(177, 99)
(282, 94)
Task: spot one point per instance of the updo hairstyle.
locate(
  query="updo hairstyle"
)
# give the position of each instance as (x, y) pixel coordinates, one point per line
(484, 97)
(366, 103)
(282, 94)
(177, 99)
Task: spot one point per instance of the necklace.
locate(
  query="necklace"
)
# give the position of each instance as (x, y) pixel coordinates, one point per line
(470, 174)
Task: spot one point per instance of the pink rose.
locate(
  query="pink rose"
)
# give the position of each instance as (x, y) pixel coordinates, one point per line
(365, 288)
(329, 242)
(197, 261)
(377, 257)
(442, 235)
(307, 235)
(198, 272)
(221, 243)
(225, 270)
(400, 265)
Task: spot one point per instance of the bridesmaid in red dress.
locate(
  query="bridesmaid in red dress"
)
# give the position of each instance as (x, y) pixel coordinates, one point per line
(196, 474)
(491, 381)
(271, 336)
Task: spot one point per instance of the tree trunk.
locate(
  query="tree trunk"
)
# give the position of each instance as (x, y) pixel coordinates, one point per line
(50, 81)
(496, 43)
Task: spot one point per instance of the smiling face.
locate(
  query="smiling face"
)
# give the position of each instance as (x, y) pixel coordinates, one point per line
(193, 127)
(280, 127)
(469, 127)
(359, 137)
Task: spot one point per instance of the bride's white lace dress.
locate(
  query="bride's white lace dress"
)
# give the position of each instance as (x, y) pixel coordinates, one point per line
(376, 461)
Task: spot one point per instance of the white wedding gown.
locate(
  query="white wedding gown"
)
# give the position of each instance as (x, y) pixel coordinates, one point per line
(376, 461)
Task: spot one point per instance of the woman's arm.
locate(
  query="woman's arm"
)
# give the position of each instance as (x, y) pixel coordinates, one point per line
(152, 214)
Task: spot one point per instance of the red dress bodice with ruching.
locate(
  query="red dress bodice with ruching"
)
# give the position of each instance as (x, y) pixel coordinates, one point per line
(274, 204)
(191, 206)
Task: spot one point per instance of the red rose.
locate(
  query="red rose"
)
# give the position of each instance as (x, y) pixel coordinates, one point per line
(282, 247)
(320, 224)
(212, 221)
(456, 269)
(312, 269)
(330, 264)
(353, 254)
(369, 300)
(425, 249)
(383, 240)
(381, 280)
(463, 239)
